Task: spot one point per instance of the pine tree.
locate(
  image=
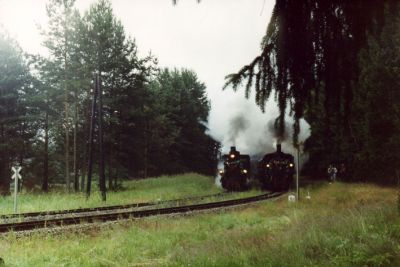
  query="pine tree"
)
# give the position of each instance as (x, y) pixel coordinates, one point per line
(60, 42)
(110, 53)
(14, 78)
(184, 107)
(44, 105)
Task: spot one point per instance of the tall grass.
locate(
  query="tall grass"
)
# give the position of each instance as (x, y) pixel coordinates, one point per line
(342, 225)
(152, 189)
(337, 228)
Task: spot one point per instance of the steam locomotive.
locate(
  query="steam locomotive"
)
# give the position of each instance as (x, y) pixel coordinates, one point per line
(236, 172)
(275, 170)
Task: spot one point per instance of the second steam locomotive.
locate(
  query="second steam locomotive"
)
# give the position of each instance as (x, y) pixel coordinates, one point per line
(274, 171)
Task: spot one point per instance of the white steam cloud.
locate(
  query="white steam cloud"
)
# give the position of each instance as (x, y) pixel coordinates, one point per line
(236, 121)
(217, 175)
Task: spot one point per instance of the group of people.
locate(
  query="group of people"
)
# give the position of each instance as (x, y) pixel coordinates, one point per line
(333, 172)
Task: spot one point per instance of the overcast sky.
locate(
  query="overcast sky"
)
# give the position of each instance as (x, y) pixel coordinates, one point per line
(213, 38)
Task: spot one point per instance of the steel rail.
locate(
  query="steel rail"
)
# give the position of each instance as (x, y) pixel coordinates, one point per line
(105, 208)
(92, 218)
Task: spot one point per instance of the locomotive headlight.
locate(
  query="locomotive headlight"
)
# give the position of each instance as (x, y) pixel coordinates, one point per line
(221, 172)
(291, 165)
(268, 166)
(244, 171)
(232, 156)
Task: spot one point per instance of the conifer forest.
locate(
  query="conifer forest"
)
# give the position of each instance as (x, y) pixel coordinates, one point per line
(153, 119)
(334, 64)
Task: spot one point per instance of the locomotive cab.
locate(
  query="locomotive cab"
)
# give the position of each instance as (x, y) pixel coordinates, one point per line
(275, 170)
(236, 171)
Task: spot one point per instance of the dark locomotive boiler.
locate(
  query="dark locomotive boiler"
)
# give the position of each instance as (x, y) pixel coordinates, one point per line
(275, 170)
(236, 172)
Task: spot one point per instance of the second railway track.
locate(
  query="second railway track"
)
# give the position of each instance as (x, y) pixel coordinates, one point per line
(119, 215)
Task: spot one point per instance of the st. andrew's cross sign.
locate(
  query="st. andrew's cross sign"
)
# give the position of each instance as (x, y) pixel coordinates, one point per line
(16, 174)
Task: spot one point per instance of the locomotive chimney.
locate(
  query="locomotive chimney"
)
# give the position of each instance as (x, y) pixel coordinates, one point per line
(278, 148)
(233, 149)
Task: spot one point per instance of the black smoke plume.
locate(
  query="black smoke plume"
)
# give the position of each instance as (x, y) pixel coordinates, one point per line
(280, 135)
(237, 125)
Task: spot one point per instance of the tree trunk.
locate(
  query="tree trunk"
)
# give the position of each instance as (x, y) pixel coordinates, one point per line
(146, 149)
(76, 178)
(117, 150)
(4, 179)
(45, 183)
(83, 164)
(66, 113)
(110, 180)
(85, 142)
(115, 179)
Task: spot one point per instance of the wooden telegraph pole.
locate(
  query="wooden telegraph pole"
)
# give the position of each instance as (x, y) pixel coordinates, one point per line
(102, 182)
(102, 176)
(91, 135)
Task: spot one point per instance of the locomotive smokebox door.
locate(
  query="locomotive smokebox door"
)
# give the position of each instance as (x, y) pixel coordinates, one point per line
(275, 170)
(236, 170)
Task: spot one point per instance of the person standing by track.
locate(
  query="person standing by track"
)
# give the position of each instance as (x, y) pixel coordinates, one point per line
(332, 171)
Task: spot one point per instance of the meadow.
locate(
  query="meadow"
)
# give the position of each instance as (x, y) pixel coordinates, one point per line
(341, 225)
(151, 189)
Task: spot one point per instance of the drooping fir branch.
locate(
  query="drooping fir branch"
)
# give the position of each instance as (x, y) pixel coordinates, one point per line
(310, 46)
(258, 73)
(174, 2)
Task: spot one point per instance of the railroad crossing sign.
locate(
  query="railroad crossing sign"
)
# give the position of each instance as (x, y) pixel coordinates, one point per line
(16, 174)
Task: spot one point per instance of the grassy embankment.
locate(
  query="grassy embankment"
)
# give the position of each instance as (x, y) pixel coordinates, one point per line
(152, 189)
(342, 225)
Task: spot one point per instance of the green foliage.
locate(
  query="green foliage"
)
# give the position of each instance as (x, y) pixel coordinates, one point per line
(376, 120)
(14, 128)
(183, 106)
(153, 120)
(60, 40)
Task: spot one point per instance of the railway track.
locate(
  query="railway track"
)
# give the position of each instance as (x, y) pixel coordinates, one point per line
(119, 215)
(105, 208)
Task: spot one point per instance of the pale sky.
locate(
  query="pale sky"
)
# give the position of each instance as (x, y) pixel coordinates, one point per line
(213, 38)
